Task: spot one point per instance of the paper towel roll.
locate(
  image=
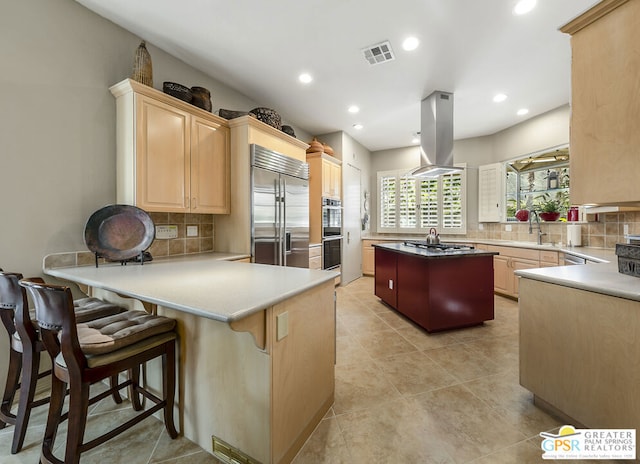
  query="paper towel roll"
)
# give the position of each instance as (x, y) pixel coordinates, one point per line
(574, 236)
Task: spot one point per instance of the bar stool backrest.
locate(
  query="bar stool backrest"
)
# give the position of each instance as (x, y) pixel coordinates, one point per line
(14, 308)
(56, 319)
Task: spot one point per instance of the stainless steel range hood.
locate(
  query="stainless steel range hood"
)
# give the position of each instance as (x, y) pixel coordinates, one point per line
(436, 136)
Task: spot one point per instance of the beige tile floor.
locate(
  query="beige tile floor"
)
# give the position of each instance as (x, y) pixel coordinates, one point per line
(402, 396)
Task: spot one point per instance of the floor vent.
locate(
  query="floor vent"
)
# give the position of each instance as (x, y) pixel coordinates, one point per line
(379, 53)
(228, 454)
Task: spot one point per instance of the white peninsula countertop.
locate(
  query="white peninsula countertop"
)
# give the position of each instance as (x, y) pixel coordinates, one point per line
(205, 285)
(601, 278)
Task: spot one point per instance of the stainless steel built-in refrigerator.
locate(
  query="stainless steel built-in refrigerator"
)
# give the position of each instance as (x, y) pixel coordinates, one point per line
(280, 209)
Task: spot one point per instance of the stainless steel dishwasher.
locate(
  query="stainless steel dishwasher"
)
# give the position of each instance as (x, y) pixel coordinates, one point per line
(572, 259)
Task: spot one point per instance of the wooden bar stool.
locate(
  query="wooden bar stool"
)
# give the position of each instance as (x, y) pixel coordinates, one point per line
(83, 354)
(25, 347)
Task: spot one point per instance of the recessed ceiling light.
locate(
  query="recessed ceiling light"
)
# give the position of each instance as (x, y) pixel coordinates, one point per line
(524, 7)
(522, 111)
(499, 98)
(358, 126)
(305, 78)
(353, 109)
(410, 43)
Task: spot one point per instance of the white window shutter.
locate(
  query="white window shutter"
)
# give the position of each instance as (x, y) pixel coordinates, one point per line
(490, 192)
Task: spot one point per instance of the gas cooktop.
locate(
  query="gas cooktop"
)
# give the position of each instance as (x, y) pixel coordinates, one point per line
(437, 246)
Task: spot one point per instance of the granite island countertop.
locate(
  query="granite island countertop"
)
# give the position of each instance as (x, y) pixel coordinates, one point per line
(205, 285)
(596, 255)
(433, 253)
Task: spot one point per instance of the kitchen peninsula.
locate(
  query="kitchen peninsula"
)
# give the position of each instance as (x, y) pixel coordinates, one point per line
(438, 288)
(256, 349)
(579, 343)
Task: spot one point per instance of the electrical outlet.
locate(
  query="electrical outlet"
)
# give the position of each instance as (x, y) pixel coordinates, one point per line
(192, 231)
(626, 229)
(166, 232)
(507, 228)
(282, 325)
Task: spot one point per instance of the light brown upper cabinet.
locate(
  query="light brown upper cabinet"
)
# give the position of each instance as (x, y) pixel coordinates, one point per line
(331, 179)
(171, 156)
(605, 104)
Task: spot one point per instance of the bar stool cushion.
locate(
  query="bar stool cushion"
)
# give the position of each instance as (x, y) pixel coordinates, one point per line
(90, 308)
(114, 332)
(86, 309)
(128, 351)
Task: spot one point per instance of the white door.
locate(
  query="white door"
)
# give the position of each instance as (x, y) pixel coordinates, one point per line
(351, 225)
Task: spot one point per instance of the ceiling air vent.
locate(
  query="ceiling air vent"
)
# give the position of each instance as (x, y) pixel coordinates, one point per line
(379, 53)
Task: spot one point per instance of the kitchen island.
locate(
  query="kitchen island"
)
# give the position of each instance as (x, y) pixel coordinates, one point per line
(579, 343)
(256, 352)
(438, 289)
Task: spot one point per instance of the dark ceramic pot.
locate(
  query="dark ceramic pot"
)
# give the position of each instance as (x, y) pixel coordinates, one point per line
(201, 98)
(522, 215)
(549, 217)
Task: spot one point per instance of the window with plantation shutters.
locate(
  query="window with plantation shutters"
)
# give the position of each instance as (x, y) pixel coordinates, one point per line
(387, 188)
(428, 203)
(414, 205)
(408, 203)
(452, 201)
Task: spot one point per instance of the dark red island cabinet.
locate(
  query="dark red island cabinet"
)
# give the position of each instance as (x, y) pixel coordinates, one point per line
(437, 291)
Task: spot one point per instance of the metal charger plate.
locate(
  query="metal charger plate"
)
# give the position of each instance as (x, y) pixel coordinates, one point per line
(119, 232)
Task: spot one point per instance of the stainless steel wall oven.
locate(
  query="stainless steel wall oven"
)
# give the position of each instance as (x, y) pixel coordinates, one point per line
(331, 252)
(331, 218)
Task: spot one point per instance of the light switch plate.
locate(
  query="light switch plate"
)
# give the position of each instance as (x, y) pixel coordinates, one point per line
(282, 325)
(192, 231)
(166, 232)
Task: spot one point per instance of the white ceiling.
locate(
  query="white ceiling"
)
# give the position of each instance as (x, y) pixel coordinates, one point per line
(472, 48)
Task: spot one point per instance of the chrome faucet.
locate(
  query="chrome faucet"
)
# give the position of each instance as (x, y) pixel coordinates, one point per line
(540, 233)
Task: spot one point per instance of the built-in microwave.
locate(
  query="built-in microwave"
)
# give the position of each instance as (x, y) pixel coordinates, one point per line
(331, 252)
(331, 218)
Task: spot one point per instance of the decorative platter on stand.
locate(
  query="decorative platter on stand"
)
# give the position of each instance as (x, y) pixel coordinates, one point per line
(119, 233)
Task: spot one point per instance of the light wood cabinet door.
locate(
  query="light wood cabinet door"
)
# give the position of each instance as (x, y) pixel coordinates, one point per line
(605, 110)
(331, 179)
(517, 265)
(210, 171)
(502, 275)
(171, 156)
(326, 178)
(368, 257)
(163, 146)
(335, 181)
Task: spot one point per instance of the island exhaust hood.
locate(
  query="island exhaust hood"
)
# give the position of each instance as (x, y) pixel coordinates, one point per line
(436, 136)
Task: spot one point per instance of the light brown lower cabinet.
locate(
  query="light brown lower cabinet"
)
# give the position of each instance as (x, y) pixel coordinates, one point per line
(512, 259)
(368, 257)
(579, 354)
(315, 256)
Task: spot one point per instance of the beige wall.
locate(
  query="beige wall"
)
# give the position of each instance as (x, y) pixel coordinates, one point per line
(57, 125)
(546, 130)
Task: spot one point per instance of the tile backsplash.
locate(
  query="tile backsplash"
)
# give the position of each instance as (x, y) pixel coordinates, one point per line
(183, 245)
(603, 233)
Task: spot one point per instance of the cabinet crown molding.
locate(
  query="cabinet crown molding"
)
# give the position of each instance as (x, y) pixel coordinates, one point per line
(591, 15)
(253, 122)
(325, 156)
(129, 85)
